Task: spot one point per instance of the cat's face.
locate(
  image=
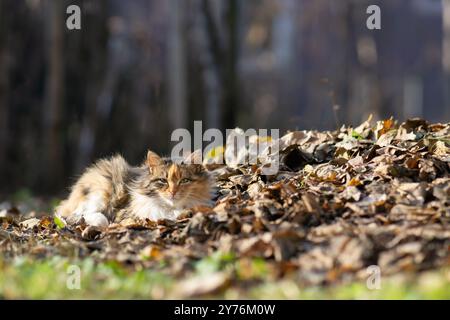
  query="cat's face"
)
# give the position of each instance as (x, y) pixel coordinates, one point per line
(177, 184)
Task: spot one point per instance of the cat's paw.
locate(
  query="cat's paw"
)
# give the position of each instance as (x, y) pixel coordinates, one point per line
(96, 219)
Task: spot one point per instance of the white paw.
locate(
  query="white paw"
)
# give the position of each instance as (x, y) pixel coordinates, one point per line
(96, 219)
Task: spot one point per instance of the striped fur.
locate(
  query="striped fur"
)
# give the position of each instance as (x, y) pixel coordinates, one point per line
(111, 190)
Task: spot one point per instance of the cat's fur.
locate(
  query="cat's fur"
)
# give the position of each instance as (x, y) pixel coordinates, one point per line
(111, 190)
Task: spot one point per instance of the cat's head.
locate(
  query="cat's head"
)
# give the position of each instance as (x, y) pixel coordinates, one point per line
(179, 184)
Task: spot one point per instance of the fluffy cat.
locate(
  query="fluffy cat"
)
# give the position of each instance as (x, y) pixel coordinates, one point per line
(160, 188)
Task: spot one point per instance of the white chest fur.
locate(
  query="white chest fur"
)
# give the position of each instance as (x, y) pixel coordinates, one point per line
(145, 207)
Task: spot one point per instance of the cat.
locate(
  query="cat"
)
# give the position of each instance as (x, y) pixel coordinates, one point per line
(112, 190)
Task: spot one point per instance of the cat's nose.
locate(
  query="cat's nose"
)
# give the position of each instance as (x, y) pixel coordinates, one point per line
(172, 192)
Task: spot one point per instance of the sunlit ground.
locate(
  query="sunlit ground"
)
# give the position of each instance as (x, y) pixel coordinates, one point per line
(48, 279)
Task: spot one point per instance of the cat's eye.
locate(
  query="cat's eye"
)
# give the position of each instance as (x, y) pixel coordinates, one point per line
(161, 181)
(185, 180)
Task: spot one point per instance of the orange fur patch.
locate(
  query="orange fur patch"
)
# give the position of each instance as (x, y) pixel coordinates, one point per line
(174, 175)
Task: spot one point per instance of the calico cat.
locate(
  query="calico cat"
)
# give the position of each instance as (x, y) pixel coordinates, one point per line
(111, 190)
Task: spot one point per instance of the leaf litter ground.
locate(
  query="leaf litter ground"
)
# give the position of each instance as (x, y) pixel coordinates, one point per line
(344, 200)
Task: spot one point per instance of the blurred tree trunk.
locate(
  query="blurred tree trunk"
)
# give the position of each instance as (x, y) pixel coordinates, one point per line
(287, 50)
(230, 107)
(341, 98)
(446, 56)
(53, 165)
(359, 93)
(212, 74)
(225, 52)
(99, 73)
(177, 66)
(4, 84)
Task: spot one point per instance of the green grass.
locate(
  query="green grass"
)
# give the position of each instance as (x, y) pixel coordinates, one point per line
(428, 286)
(47, 279)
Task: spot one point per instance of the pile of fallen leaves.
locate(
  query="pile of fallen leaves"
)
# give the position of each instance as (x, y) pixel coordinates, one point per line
(377, 194)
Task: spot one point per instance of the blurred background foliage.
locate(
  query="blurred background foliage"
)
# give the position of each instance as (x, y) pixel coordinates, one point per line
(139, 69)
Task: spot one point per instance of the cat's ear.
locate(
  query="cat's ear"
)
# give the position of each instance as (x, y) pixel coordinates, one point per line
(153, 159)
(194, 158)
